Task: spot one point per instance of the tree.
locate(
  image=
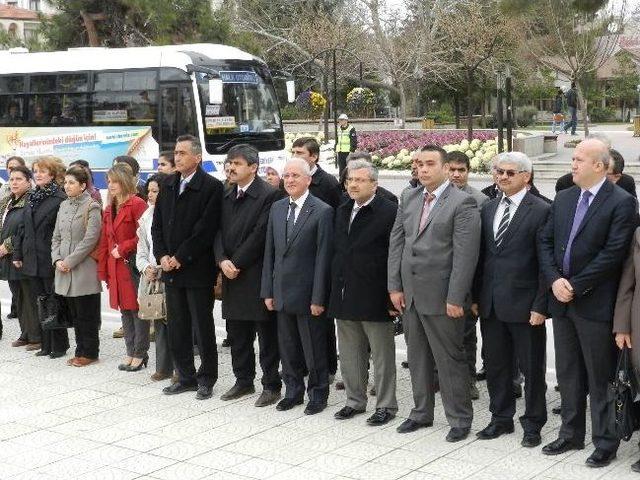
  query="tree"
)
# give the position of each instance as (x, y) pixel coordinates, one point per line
(128, 23)
(624, 83)
(480, 39)
(560, 35)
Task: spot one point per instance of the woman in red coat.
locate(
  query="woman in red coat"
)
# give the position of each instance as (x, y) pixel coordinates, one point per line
(117, 253)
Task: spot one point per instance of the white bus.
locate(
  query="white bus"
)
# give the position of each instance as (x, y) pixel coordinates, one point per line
(97, 103)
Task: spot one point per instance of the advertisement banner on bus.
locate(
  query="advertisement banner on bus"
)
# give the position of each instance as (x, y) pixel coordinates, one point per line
(98, 145)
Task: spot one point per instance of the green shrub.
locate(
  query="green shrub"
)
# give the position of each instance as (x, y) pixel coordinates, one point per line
(600, 114)
(289, 112)
(526, 116)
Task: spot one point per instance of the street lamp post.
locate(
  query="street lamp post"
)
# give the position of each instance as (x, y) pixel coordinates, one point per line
(499, 106)
(509, 102)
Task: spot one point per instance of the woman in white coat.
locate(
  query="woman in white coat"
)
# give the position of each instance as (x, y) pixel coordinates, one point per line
(149, 271)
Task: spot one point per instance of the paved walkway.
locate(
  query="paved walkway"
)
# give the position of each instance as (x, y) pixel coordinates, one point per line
(61, 422)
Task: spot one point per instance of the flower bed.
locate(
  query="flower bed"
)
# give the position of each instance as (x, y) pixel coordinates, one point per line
(393, 150)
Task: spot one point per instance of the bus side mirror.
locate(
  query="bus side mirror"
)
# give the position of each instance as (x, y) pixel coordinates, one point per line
(291, 91)
(215, 91)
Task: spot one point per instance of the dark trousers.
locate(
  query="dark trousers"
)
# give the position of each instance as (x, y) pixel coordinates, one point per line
(302, 340)
(332, 347)
(470, 343)
(585, 363)
(56, 340)
(136, 334)
(243, 357)
(14, 286)
(191, 310)
(27, 312)
(503, 340)
(342, 161)
(85, 312)
(164, 360)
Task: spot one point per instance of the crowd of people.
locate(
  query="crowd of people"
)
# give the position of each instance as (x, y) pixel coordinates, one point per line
(302, 255)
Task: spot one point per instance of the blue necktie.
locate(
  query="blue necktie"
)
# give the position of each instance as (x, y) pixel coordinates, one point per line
(291, 219)
(581, 210)
(183, 185)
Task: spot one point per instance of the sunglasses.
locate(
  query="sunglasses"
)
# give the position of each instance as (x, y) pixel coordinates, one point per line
(510, 173)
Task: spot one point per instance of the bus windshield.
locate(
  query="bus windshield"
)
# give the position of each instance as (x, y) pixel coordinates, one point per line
(249, 108)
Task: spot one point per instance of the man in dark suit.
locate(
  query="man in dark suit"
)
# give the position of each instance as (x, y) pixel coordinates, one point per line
(614, 174)
(239, 250)
(325, 187)
(295, 283)
(512, 300)
(433, 250)
(185, 222)
(582, 248)
(359, 299)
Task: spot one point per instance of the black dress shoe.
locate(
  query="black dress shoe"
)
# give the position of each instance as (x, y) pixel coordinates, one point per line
(346, 413)
(600, 458)
(288, 403)
(560, 446)
(409, 426)
(57, 354)
(381, 417)
(456, 434)
(494, 430)
(204, 392)
(268, 397)
(557, 410)
(315, 407)
(178, 387)
(238, 391)
(531, 439)
(42, 353)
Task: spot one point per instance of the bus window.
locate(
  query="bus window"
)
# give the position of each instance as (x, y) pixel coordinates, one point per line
(129, 108)
(108, 82)
(140, 80)
(71, 110)
(43, 83)
(76, 82)
(11, 109)
(13, 84)
(37, 113)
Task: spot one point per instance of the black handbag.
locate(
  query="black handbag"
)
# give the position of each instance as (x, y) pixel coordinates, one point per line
(622, 392)
(53, 312)
(133, 270)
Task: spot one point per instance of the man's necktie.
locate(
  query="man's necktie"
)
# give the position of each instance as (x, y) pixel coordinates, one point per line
(426, 208)
(291, 219)
(504, 222)
(581, 210)
(240, 194)
(183, 185)
(354, 212)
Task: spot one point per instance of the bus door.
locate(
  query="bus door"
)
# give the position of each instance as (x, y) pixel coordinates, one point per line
(177, 113)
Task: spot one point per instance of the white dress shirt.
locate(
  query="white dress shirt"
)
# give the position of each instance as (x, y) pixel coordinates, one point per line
(437, 192)
(184, 181)
(516, 199)
(245, 188)
(299, 204)
(594, 190)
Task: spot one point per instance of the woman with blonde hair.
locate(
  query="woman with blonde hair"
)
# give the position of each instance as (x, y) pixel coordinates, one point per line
(117, 252)
(75, 237)
(32, 251)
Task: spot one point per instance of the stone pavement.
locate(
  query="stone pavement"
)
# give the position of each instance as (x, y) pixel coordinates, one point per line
(61, 422)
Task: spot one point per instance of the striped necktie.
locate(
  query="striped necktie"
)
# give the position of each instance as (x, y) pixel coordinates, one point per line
(504, 222)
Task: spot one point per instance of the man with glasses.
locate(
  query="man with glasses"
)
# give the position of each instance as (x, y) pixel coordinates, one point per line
(512, 301)
(359, 299)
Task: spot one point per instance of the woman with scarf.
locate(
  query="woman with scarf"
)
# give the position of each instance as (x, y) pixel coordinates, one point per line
(32, 254)
(11, 218)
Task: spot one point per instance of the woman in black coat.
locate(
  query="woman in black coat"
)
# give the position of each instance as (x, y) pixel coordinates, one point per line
(11, 213)
(32, 254)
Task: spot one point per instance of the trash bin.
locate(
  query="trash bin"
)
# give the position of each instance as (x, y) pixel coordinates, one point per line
(636, 125)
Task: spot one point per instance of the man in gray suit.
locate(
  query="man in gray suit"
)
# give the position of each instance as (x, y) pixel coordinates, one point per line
(459, 167)
(433, 253)
(295, 283)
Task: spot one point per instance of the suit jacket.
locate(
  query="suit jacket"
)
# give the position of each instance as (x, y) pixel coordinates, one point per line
(241, 239)
(436, 266)
(185, 226)
(508, 280)
(492, 191)
(296, 273)
(626, 182)
(598, 250)
(627, 311)
(33, 245)
(326, 187)
(480, 197)
(359, 267)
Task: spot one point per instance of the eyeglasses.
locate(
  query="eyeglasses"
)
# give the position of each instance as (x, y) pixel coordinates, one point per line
(510, 173)
(358, 180)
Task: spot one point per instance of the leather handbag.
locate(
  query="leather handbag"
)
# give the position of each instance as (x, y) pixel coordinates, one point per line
(151, 304)
(53, 312)
(622, 392)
